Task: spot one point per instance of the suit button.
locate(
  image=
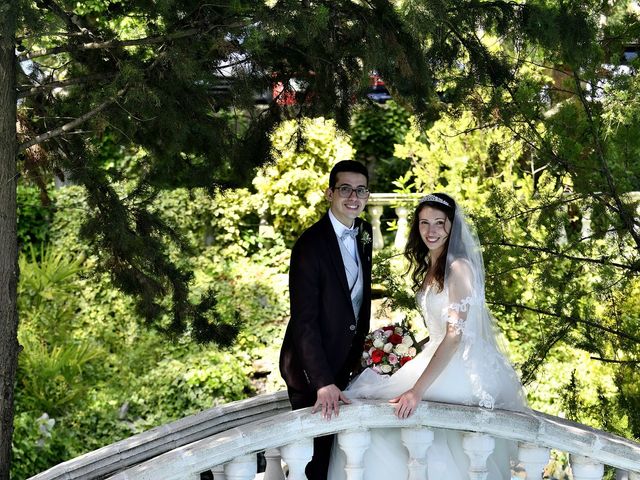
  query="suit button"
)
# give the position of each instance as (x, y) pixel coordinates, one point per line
(352, 327)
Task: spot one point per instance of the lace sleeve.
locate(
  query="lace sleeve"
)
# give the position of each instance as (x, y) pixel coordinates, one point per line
(460, 292)
(457, 314)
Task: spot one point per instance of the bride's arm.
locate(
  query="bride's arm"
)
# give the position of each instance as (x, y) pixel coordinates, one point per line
(460, 290)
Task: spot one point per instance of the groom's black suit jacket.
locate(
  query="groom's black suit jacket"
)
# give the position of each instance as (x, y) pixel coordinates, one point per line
(323, 342)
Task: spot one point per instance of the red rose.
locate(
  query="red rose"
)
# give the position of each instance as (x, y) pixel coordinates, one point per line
(377, 355)
(395, 339)
(404, 360)
(387, 328)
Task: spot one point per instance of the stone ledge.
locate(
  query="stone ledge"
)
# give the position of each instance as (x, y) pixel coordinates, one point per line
(165, 438)
(290, 427)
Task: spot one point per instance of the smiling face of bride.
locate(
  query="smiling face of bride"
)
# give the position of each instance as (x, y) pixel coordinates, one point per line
(434, 227)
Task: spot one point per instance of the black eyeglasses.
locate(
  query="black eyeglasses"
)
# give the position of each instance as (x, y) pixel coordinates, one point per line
(345, 191)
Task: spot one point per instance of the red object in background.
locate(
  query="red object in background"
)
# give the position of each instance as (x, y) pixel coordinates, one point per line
(283, 96)
(376, 81)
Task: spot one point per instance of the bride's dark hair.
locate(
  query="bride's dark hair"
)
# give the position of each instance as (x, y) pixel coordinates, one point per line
(417, 252)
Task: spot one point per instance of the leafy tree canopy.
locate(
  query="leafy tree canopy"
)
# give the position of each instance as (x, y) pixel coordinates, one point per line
(173, 84)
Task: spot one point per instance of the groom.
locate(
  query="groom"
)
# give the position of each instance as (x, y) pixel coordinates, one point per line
(330, 290)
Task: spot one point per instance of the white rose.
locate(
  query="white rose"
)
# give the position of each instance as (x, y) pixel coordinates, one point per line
(412, 352)
(365, 355)
(408, 341)
(388, 347)
(401, 349)
(378, 343)
(398, 330)
(386, 368)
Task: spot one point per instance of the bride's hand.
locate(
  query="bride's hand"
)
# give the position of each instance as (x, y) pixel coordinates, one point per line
(406, 403)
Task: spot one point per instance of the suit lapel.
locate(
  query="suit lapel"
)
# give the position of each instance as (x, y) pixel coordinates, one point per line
(365, 257)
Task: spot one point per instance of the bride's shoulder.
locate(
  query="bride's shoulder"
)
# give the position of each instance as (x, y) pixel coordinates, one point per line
(461, 267)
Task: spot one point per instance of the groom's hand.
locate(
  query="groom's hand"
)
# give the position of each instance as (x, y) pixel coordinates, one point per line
(328, 402)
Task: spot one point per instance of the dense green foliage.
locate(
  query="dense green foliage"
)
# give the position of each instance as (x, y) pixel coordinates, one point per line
(90, 365)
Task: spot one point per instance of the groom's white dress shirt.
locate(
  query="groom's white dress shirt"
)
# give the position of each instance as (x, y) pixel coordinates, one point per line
(352, 265)
(339, 228)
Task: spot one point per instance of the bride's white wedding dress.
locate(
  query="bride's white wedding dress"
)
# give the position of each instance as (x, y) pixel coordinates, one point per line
(478, 374)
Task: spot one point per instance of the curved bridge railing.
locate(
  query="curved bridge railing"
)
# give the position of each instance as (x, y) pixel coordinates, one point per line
(223, 441)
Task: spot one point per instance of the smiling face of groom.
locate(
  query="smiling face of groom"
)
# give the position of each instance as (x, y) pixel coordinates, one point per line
(346, 210)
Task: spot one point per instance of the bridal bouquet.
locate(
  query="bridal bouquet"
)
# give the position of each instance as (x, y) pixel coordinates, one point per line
(388, 348)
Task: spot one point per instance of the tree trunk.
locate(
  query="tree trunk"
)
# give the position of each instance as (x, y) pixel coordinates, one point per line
(8, 235)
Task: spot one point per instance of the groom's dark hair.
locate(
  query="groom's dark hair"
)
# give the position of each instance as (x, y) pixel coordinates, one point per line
(347, 166)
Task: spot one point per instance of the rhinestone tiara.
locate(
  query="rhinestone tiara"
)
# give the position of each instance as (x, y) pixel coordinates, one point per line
(433, 198)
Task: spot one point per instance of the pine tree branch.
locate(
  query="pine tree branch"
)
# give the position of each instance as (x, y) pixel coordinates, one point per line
(108, 44)
(26, 91)
(570, 319)
(627, 219)
(601, 261)
(67, 127)
(612, 360)
(70, 20)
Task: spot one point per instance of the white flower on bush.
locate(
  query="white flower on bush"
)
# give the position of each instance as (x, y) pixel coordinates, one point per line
(386, 368)
(401, 349)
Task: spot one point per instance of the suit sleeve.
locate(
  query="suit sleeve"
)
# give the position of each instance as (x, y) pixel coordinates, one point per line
(305, 294)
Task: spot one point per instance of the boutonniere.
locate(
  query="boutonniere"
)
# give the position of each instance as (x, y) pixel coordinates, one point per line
(365, 238)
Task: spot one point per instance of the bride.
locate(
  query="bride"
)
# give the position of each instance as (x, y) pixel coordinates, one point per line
(460, 364)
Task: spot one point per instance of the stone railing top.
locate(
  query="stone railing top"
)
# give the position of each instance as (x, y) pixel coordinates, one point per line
(290, 427)
(376, 199)
(147, 445)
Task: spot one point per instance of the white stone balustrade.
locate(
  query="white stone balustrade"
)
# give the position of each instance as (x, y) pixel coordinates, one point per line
(417, 441)
(273, 470)
(533, 459)
(585, 468)
(241, 468)
(354, 443)
(402, 204)
(296, 456)
(161, 454)
(478, 447)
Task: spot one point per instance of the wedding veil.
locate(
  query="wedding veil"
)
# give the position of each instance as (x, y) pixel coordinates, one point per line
(493, 379)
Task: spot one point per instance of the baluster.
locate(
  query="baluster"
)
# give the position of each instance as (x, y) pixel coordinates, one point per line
(218, 472)
(533, 459)
(376, 212)
(354, 443)
(417, 441)
(478, 447)
(296, 456)
(403, 228)
(244, 467)
(274, 465)
(584, 468)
